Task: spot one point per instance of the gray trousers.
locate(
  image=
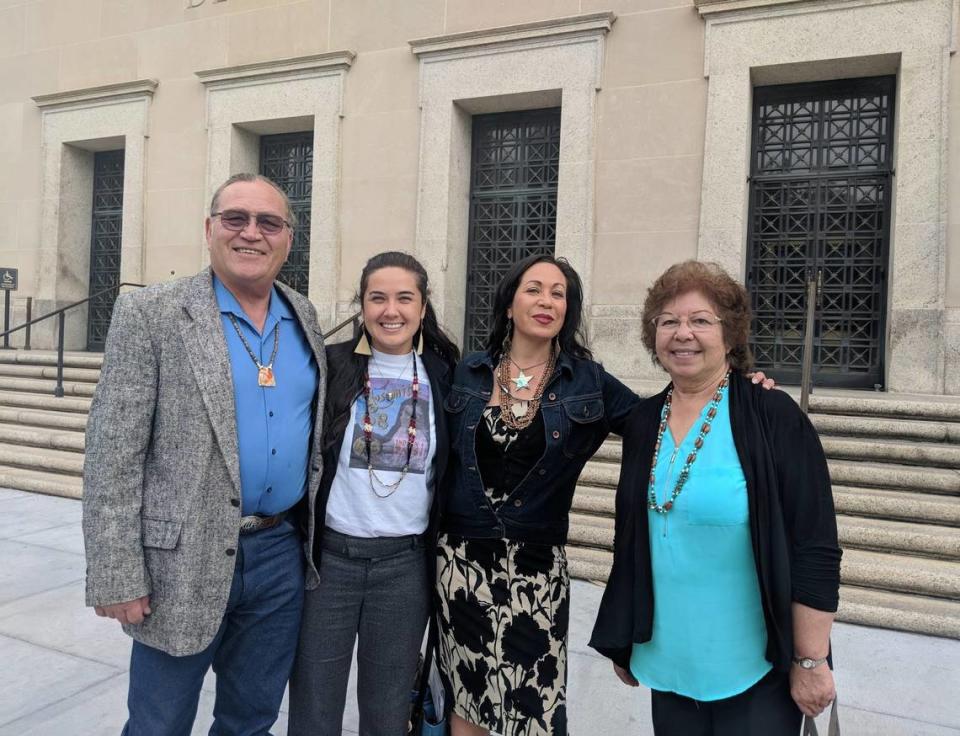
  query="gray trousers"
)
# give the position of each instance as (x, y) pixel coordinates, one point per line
(371, 590)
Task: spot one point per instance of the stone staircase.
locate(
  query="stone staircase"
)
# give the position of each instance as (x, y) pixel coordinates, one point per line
(41, 436)
(895, 467)
(894, 461)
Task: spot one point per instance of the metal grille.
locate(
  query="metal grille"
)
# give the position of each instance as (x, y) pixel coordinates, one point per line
(288, 160)
(105, 237)
(513, 204)
(820, 205)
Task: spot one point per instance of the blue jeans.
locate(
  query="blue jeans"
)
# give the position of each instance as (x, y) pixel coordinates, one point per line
(375, 591)
(252, 652)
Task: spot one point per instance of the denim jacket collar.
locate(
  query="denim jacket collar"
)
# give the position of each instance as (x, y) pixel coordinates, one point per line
(476, 360)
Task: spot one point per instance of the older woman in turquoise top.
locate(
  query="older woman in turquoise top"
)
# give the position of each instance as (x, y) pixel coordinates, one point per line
(726, 563)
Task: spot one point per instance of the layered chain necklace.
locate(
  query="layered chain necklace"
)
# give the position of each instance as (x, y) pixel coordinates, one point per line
(265, 374)
(518, 413)
(375, 480)
(691, 458)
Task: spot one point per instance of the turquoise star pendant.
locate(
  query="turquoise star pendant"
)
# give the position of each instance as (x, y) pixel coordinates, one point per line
(522, 381)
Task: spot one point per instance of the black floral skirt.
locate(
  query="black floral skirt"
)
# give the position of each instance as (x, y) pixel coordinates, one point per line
(504, 614)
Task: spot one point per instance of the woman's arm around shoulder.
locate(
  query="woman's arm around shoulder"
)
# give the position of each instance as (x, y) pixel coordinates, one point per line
(618, 401)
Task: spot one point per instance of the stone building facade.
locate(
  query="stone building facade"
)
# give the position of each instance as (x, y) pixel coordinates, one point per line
(787, 139)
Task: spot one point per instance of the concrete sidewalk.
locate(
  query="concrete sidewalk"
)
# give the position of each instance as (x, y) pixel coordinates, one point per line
(64, 671)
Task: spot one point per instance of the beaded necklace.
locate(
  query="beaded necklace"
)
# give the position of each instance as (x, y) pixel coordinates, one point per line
(368, 432)
(691, 458)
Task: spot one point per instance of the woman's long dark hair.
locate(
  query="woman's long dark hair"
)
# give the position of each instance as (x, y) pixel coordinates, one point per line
(572, 337)
(434, 338)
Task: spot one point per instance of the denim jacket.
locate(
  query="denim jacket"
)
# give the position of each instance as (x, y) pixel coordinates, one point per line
(581, 405)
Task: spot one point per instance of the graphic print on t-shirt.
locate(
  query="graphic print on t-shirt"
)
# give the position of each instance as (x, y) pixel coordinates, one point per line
(391, 401)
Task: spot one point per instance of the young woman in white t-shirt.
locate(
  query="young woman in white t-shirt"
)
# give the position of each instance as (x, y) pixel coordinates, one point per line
(384, 452)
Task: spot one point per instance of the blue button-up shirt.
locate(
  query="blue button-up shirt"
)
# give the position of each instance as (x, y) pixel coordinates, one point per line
(273, 423)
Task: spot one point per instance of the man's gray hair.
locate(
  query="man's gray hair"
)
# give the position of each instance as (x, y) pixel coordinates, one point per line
(214, 203)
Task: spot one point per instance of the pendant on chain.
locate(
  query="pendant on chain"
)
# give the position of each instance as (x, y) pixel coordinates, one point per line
(265, 376)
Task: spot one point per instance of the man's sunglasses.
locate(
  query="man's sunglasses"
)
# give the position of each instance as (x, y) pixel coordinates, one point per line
(236, 220)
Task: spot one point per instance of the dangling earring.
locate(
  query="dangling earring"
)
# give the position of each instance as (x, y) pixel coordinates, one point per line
(363, 347)
(420, 340)
(507, 339)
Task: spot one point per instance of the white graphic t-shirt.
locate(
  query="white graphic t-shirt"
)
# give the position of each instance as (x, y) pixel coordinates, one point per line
(356, 508)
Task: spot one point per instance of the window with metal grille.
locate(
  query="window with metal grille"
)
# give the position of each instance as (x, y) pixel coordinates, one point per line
(820, 189)
(105, 238)
(287, 159)
(513, 204)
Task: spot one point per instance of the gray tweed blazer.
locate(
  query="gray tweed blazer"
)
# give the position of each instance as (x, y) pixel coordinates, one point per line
(161, 463)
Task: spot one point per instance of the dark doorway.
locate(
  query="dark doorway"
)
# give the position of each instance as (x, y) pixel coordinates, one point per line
(820, 188)
(288, 160)
(105, 239)
(513, 204)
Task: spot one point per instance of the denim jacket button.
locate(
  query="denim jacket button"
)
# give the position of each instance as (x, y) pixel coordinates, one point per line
(542, 471)
(552, 397)
(518, 502)
(556, 435)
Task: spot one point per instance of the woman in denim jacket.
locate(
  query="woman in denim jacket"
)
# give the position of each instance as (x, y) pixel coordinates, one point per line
(524, 417)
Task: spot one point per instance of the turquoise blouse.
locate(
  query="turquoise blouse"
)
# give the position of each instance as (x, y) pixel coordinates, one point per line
(709, 635)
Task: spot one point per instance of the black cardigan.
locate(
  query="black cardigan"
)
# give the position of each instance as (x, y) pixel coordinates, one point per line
(792, 521)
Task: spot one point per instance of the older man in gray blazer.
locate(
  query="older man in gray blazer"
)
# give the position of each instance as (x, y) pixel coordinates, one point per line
(203, 439)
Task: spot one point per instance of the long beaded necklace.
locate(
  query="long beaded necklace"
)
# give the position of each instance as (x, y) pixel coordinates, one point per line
(508, 401)
(691, 458)
(368, 432)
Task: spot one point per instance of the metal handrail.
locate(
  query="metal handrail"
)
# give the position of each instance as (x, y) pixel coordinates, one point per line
(806, 376)
(61, 314)
(350, 320)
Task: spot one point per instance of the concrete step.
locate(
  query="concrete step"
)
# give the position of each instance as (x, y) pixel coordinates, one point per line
(887, 610)
(927, 540)
(22, 370)
(937, 578)
(897, 505)
(924, 540)
(56, 420)
(47, 461)
(37, 481)
(13, 434)
(921, 507)
(72, 359)
(868, 404)
(43, 386)
(26, 400)
(922, 614)
(903, 452)
(898, 477)
(884, 428)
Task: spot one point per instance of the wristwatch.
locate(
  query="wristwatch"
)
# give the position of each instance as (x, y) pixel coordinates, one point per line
(807, 663)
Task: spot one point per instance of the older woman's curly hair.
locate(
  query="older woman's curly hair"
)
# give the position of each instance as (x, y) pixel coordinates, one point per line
(727, 294)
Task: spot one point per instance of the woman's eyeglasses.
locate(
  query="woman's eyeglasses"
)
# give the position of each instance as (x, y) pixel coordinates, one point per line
(236, 220)
(696, 322)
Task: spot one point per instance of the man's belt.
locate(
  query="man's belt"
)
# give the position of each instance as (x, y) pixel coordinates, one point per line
(257, 523)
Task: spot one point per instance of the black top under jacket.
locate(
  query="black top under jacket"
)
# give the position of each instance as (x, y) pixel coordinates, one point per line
(792, 521)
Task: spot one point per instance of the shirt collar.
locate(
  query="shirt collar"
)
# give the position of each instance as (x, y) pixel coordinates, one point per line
(277, 310)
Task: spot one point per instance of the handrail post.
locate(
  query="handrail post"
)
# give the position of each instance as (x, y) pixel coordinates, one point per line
(807, 374)
(26, 339)
(61, 320)
(6, 319)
